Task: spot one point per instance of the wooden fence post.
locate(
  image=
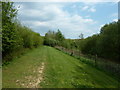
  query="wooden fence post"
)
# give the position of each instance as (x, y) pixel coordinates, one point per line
(95, 60)
(79, 53)
(118, 75)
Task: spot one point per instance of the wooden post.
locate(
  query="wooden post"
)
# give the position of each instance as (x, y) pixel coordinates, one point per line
(79, 52)
(95, 60)
(118, 75)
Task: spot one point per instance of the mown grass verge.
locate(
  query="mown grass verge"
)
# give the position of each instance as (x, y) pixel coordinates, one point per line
(60, 71)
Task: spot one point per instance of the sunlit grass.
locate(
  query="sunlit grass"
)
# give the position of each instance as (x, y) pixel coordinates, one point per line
(61, 71)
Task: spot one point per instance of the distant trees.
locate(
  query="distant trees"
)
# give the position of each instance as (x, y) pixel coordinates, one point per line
(15, 37)
(59, 36)
(106, 44)
(69, 43)
(88, 45)
(81, 36)
(53, 38)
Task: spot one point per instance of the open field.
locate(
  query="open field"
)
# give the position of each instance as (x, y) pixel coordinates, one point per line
(46, 67)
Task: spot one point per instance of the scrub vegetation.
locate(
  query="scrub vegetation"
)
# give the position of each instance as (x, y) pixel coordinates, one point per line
(33, 61)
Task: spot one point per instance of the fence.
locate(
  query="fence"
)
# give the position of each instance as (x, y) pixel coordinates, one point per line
(108, 66)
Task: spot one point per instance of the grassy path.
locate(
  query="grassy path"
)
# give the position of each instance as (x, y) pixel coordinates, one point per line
(47, 67)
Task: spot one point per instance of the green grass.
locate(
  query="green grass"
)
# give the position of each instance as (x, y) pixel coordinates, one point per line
(61, 71)
(0, 77)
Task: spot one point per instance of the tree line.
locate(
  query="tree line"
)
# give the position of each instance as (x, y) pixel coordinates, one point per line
(106, 44)
(53, 38)
(16, 37)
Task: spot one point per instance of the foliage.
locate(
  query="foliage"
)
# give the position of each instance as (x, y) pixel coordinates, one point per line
(9, 36)
(105, 44)
(14, 35)
(53, 38)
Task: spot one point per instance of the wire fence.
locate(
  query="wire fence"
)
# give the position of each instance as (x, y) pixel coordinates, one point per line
(108, 66)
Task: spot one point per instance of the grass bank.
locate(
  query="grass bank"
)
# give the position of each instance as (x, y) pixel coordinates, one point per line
(60, 71)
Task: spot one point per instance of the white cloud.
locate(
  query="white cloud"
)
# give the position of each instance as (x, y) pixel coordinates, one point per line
(101, 26)
(53, 17)
(85, 8)
(92, 9)
(35, 23)
(115, 20)
(88, 8)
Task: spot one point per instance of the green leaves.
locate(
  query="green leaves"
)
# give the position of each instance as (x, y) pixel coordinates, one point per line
(14, 35)
(53, 38)
(104, 44)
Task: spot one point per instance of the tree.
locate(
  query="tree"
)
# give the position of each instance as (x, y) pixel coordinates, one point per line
(9, 37)
(59, 36)
(15, 37)
(81, 36)
(109, 41)
(105, 44)
(53, 38)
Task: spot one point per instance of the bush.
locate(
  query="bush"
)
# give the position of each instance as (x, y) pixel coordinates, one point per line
(15, 37)
(105, 45)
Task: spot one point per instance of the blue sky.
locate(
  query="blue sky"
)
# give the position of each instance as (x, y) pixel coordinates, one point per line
(72, 18)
